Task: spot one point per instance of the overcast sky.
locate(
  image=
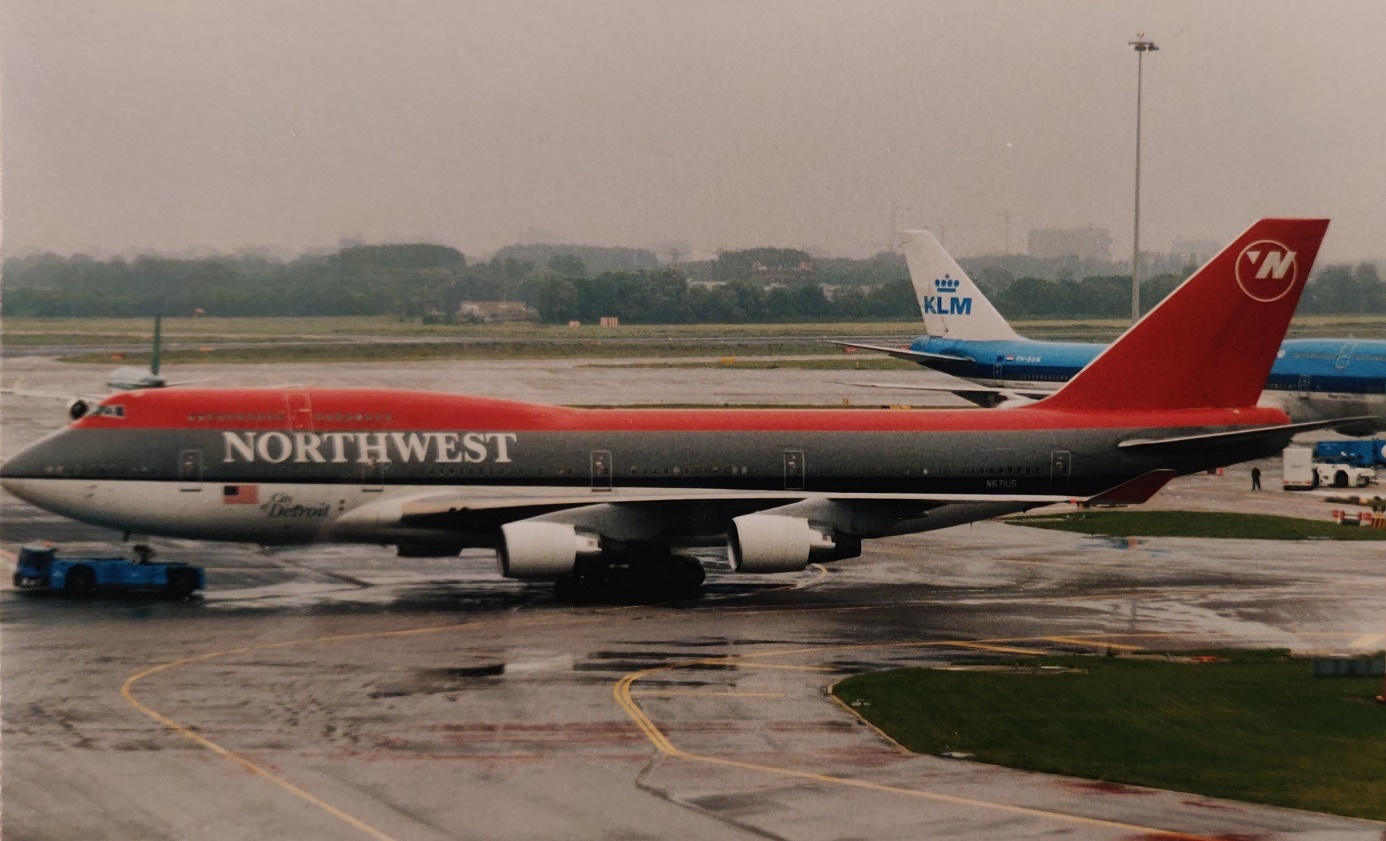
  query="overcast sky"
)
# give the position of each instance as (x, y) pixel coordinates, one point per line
(289, 124)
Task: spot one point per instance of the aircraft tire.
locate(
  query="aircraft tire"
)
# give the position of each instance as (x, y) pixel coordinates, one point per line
(688, 577)
(181, 583)
(80, 581)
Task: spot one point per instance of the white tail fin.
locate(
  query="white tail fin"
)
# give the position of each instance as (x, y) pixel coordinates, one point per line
(952, 305)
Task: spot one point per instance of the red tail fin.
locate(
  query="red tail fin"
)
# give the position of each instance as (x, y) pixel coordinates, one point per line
(1212, 342)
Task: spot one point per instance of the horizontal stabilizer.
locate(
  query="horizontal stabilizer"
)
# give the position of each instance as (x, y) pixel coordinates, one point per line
(987, 397)
(1134, 492)
(905, 353)
(1238, 436)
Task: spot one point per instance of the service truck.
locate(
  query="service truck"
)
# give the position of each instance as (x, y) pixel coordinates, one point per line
(1330, 463)
(41, 568)
(1359, 452)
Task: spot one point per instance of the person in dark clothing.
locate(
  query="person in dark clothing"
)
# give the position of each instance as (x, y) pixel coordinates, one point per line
(1256, 478)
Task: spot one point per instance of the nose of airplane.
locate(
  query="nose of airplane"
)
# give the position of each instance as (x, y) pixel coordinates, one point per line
(33, 462)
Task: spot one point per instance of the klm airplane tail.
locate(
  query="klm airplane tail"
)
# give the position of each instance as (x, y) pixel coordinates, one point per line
(952, 305)
(1212, 342)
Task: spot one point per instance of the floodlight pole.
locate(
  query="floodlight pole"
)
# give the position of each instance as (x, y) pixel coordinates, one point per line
(1142, 46)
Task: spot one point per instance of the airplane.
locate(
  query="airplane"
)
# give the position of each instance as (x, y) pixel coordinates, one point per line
(578, 496)
(966, 337)
(124, 378)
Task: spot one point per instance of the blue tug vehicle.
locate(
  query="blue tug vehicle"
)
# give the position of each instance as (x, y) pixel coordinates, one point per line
(42, 569)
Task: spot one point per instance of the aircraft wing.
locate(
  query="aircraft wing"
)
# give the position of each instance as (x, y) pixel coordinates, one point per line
(906, 354)
(985, 396)
(655, 515)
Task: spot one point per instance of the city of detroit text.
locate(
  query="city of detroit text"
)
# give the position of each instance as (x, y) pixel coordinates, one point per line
(367, 447)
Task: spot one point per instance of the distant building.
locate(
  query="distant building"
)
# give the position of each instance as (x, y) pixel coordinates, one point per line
(785, 275)
(495, 310)
(1083, 243)
(1194, 252)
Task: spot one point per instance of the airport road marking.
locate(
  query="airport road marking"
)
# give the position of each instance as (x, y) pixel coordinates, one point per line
(622, 692)
(127, 692)
(1002, 649)
(1092, 643)
(785, 667)
(690, 693)
(885, 737)
(127, 689)
(246, 763)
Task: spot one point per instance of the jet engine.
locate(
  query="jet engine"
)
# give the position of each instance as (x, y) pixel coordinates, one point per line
(530, 549)
(78, 408)
(776, 543)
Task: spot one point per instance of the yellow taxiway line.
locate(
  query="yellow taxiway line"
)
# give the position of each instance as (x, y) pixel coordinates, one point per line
(622, 693)
(127, 690)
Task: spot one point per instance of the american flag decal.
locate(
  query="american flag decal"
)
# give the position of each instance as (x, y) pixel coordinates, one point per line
(240, 494)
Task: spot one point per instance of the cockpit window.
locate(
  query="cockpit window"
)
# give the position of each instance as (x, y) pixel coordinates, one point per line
(114, 411)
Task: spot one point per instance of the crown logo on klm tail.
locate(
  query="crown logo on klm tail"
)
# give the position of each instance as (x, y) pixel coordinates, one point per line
(947, 284)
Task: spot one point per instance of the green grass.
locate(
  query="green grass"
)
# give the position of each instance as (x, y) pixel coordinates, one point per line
(1255, 727)
(38, 331)
(1197, 524)
(338, 351)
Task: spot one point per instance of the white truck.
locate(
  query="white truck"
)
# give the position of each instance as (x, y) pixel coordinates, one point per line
(1303, 473)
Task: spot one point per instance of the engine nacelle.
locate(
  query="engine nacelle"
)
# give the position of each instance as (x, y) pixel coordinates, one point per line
(78, 408)
(775, 543)
(543, 550)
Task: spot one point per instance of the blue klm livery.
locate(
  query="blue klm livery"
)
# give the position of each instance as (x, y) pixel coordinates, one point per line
(1312, 379)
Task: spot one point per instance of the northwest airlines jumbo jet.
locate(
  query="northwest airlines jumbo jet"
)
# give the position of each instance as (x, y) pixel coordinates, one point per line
(565, 493)
(965, 336)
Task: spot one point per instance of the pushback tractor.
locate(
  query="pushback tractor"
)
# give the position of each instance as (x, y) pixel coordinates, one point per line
(42, 569)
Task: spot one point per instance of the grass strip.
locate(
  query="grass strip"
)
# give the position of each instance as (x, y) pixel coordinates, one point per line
(1252, 725)
(1198, 524)
(419, 351)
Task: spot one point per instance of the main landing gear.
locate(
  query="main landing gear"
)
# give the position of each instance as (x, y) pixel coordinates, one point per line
(657, 576)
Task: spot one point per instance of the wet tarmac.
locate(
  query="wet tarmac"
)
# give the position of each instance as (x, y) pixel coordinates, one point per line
(340, 692)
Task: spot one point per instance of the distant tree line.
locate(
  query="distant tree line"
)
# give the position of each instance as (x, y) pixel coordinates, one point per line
(665, 296)
(429, 281)
(410, 281)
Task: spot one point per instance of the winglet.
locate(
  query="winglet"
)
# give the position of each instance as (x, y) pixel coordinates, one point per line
(951, 304)
(1212, 342)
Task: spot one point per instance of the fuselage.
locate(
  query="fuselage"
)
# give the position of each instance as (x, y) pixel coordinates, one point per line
(294, 466)
(1327, 377)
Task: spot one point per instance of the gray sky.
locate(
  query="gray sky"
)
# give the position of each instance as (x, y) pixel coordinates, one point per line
(292, 124)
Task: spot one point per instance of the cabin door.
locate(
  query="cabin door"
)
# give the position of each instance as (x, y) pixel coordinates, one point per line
(601, 470)
(300, 410)
(1345, 356)
(1060, 469)
(373, 475)
(190, 470)
(794, 470)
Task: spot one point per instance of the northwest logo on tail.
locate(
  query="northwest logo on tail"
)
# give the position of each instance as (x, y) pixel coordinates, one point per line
(949, 305)
(1266, 270)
